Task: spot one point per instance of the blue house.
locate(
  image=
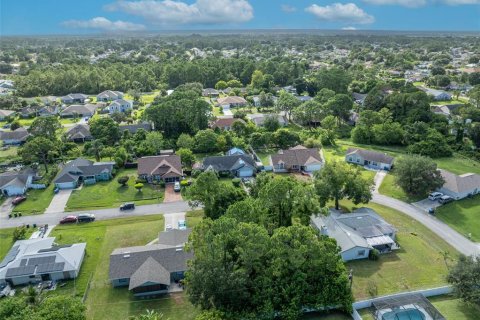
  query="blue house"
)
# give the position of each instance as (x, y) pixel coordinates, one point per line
(84, 171)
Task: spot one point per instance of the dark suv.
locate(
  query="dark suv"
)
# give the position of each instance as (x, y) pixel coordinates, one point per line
(127, 206)
(86, 217)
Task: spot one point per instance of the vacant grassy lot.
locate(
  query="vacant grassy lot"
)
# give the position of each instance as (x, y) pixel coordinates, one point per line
(418, 264)
(37, 201)
(458, 164)
(193, 218)
(463, 216)
(6, 240)
(8, 153)
(391, 189)
(264, 156)
(110, 194)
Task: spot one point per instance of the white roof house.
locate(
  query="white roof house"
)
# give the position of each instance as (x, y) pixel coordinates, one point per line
(460, 186)
(35, 260)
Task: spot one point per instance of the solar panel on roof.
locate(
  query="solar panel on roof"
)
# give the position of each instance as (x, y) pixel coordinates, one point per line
(50, 267)
(11, 255)
(20, 271)
(23, 262)
(41, 260)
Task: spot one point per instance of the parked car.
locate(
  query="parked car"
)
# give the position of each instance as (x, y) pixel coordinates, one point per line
(18, 200)
(182, 225)
(176, 187)
(56, 190)
(435, 196)
(69, 219)
(86, 217)
(445, 199)
(168, 227)
(127, 206)
(7, 126)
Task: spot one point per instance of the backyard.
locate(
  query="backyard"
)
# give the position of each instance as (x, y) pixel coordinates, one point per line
(8, 153)
(110, 194)
(418, 264)
(463, 216)
(37, 201)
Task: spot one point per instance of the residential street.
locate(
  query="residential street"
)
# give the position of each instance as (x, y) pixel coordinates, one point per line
(102, 214)
(455, 239)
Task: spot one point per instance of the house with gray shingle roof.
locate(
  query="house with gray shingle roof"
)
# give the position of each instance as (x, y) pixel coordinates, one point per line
(132, 128)
(14, 183)
(109, 95)
(6, 113)
(78, 171)
(80, 110)
(460, 186)
(297, 159)
(238, 165)
(79, 133)
(357, 233)
(152, 269)
(74, 98)
(166, 168)
(368, 158)
(16, 137)
(120, 105)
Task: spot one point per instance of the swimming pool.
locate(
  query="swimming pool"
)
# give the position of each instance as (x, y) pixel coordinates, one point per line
(404, 314)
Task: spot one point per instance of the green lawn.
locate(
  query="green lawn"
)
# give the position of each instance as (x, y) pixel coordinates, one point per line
(418, 264)
(463, 216)
(8, 153)
(391, 189)
(447, 102)
(37, 201)
(109, 194)
(326, 316)
(194, 218)
(458, 164)
(264, 156)
(452, 308)
(6, 240)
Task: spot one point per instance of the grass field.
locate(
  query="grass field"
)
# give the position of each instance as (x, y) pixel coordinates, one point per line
(264, 156)
(37, 201)
(109, 194)
(8, 153)
(194, 218)
(463, 216)
(418, 264)
(391, 189)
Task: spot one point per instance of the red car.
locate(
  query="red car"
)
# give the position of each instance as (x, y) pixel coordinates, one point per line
(69, 219)
(18, 200)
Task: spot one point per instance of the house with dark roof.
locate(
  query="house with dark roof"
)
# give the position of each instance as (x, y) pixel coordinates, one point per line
(210, 92)
(359, 98)
(297, 159)
(74, 98)
(167, 168)
(370, 159)
(238, 165)
(120, 105)
(78, 171)
(132, 128)
(460, 186)
(79, 133)
(14, 183)
(437, 95)
(109, 95)
(259, 118)
(5, 114)
(225, 123)
(79, 110)
(50, 110)
(357, 233)
(36, 260)
(16, 137)
(154, 269)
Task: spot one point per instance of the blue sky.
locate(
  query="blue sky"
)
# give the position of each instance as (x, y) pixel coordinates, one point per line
(29, 17)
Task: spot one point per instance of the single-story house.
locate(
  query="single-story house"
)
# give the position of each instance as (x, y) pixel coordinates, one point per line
(74, 98)
(15, 183)
(438, 95)
(35, 260)
(80, 110)
(225, 123)
(257, 102)
(120, 105)
(167, 168)
(231, 101)
(48, 111)
(132, 128)
(289, 89)
(357, 233)
(371, 159)
(235, 151)
(28, 112)
(16, 137)
(74, 172)
(6, 113)
(460, 186)
(297, 159)
(49, 100)
(445, 110)
(241, 165)
(304, 98)
(260, 118)
(153, 269)
(109, 95)
(79, 133)
(359, 98)
(210, 92)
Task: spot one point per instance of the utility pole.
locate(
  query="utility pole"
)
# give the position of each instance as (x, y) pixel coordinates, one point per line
(350, 277)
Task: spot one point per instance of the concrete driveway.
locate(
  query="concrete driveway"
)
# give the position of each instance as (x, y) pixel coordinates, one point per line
(171, 195)
(227, 111)
(426, 204)
(59, 201)
(173, 218)
(6, 207)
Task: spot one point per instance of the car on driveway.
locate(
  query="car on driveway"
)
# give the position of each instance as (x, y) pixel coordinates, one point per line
(86, 217)
(182, 225)
(168, 227)
(69, 219)
(434, 196)
(18, 200)
(445, 199)
(127, 206)
(176, 186)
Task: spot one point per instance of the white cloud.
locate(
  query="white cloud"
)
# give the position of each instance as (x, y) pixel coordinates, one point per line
(349, 28)
(403, 3)
(102, 23)
(170, 12)
(461, 2)
(288, 8)
(348, 13)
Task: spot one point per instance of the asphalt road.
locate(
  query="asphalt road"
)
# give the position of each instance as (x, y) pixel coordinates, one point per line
(102, 214)
(455, 239)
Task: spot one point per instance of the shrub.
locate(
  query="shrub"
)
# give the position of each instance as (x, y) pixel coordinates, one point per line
(19, 233)
(123, 180)
(372, 288)
(139, 186)
(196, 173)
(236, 182)
(162, 183)
(184, 183)
(374, 255)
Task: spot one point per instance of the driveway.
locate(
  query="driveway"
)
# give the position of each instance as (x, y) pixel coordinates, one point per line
(173, 218)
(59, 201)
(426, 204)
(227, 111)
(171, 195)
(452, 237)
(6, 207)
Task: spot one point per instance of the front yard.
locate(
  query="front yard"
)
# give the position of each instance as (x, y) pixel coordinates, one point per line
(6, 240)
(37, 201)
(463, 216)
(418, 264)
(391, 189)
(110, 194)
